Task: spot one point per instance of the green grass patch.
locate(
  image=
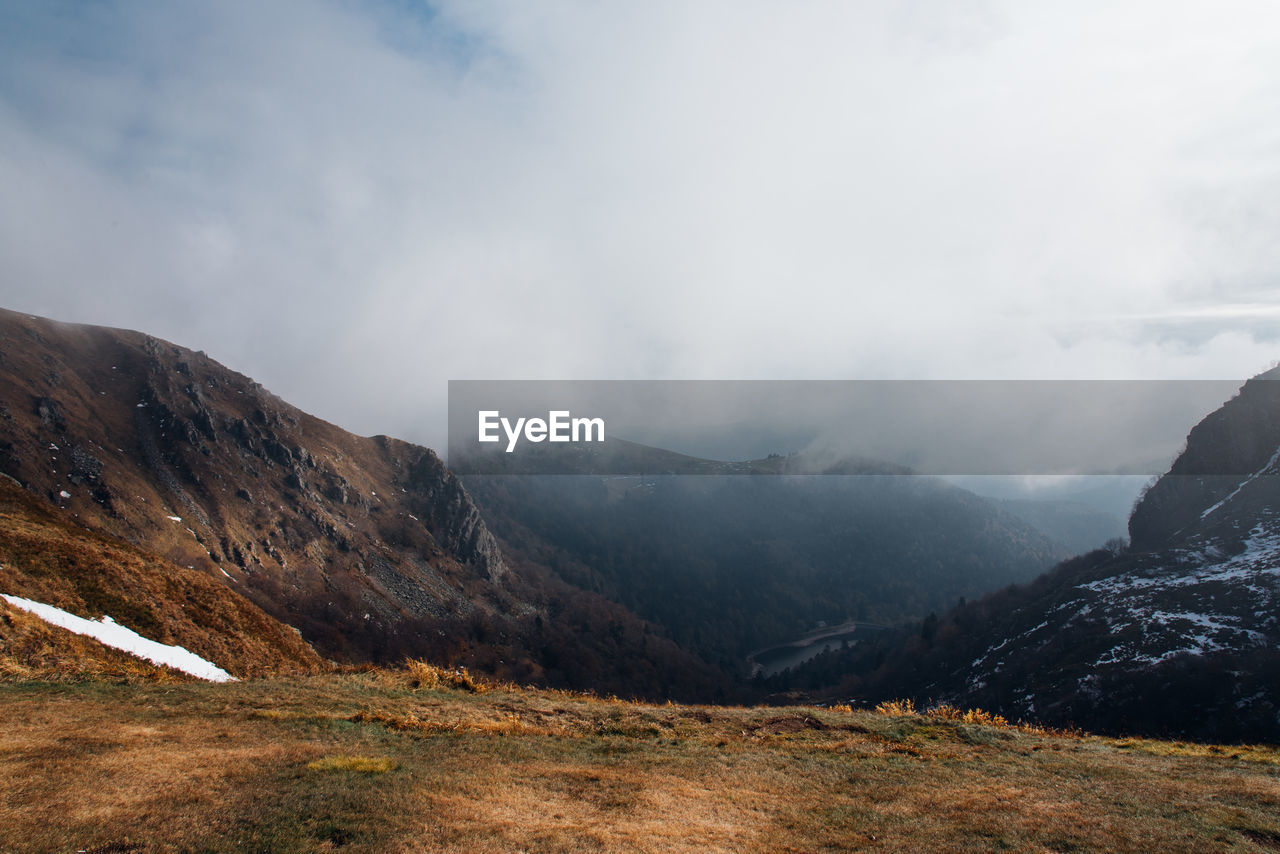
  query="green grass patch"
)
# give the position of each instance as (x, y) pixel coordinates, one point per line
(359, 764)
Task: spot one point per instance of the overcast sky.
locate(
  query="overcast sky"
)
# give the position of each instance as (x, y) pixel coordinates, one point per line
(355, 202)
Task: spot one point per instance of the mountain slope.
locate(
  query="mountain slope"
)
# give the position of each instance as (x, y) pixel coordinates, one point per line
(370, 546)
(200, 465)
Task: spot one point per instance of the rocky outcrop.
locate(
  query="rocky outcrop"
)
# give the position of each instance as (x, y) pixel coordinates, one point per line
(1228, 452)
(448, 510)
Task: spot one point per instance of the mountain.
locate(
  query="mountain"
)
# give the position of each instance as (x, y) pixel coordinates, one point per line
(1178, 634)
(370, 547)
(172, 451)
(1077, 526)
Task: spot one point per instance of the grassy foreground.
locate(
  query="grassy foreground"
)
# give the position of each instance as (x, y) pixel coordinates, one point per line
(420, 760)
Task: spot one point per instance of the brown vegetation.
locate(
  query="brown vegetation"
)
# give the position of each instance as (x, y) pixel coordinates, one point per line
(45, 558)
(426, 759)
(30, 648)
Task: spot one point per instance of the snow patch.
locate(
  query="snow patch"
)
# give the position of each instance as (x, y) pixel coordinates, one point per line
(1260, 558)
(1006, 641)
(1248, 480)
(112, 634)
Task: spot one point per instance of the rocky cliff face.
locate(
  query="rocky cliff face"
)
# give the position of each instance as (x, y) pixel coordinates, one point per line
(340, 535)
(1227, 459)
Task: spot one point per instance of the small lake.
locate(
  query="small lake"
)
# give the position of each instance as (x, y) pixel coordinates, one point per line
(776, 659)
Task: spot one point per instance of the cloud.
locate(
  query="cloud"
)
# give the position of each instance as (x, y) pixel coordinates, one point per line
(355, 202)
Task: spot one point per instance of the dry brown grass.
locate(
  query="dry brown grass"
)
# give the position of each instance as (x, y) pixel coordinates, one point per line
(977, 717)
(369, 762)
(508, 724)
(30, 648)
(896, 708)
(966, 716)
(1244, 752)
(46, 558)
(424, 674)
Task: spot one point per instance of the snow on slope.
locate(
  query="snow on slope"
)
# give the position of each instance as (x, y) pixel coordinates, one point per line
(1201, 602)
(111, 633)
(1194, 600)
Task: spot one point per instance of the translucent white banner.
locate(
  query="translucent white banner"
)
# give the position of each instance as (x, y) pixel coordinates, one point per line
(987, 427)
